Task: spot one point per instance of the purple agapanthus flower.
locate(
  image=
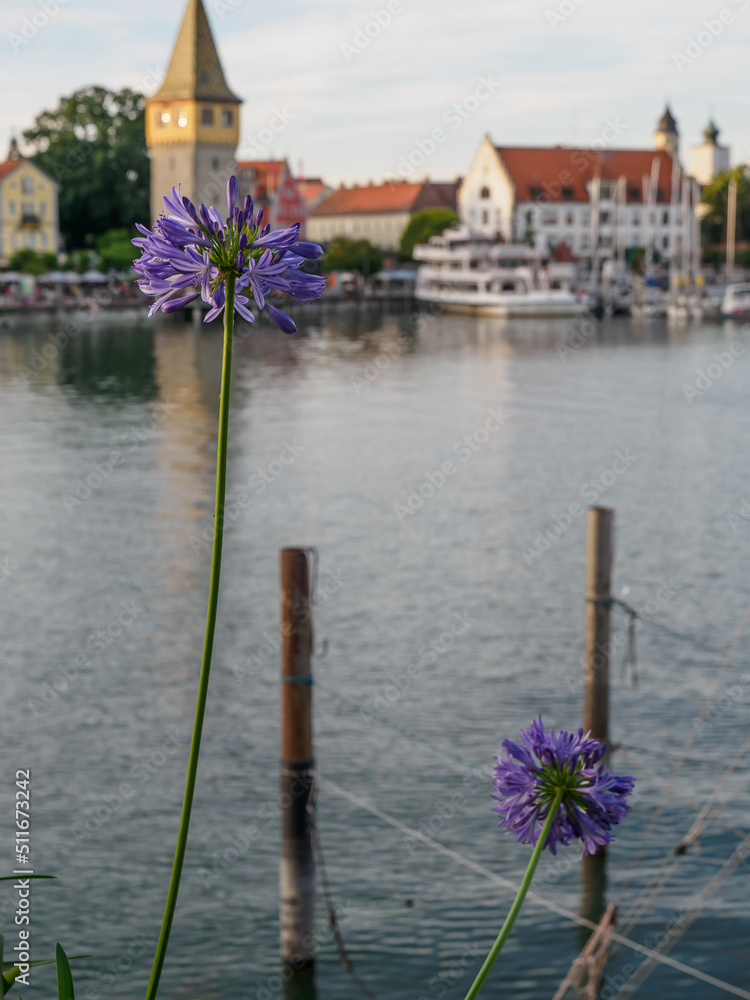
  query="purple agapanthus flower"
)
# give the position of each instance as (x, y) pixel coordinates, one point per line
(530, 773)
(191, 252)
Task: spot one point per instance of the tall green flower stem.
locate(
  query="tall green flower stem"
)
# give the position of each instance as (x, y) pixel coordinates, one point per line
(520, 897)
(208, 645)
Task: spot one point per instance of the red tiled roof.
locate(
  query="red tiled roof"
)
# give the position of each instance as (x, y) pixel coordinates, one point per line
(560, 173)
(267, 175)
(394, 197)
(8, 167)
(311, 188)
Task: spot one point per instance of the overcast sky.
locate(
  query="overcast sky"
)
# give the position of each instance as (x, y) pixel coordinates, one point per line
(553, 72)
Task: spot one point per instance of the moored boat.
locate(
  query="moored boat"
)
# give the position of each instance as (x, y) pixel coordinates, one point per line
(480, 276)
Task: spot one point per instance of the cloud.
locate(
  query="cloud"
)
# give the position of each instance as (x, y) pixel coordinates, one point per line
(355, 116)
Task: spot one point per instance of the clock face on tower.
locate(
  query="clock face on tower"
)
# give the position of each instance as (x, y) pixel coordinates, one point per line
(192, 121)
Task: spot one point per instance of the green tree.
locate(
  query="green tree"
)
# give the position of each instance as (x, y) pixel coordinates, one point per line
(353, 255)
(424, 224)
(30, 262)
(115, 250)
(93, 144)
(716, 197)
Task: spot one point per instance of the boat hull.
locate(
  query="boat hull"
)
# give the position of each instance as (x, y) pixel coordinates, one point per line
(536, 306)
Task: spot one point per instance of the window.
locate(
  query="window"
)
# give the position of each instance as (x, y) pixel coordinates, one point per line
(30, 241)
(569, 218)
(163, 118)
(182, 119)
(27, 209)
(549, 217)
(11, 208)
(604, 218)
(536, 191)
(636, 218)
(665, 243)
(227, 118)
(27, 185)
(634, 193)
(485, 217)
(207, 116)
(44, 239)
(215, 163)
(567, 192)
(484, 193)
(43, 209)
(665, 217)
(584, 243)
(585, 218)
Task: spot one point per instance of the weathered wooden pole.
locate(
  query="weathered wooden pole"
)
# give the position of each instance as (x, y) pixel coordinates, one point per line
(297, 869)
(599, 547)
(598, 597)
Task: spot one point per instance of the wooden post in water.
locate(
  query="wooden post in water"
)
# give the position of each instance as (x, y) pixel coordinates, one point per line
(599, 546)
(297, 869)
(596, 657)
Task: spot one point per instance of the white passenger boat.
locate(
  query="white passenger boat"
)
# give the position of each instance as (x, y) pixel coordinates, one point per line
(736, 302)
(477, 275)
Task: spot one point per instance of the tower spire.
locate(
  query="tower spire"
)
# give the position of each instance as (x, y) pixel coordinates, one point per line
(195, 71)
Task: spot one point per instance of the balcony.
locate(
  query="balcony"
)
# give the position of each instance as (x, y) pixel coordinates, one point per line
(30, 220)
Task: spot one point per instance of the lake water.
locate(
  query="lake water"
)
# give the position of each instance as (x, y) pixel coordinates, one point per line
(334, 433)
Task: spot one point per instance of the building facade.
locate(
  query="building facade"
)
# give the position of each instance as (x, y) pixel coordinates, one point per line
(378, 212)
(28, 208)
(709, 159)
(591, 200)
(273, 188)
(192, 121)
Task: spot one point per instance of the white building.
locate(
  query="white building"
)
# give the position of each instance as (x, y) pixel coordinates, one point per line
(588, 199)
(708, 159)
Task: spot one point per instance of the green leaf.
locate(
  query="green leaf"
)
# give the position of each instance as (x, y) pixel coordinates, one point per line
(64, 976)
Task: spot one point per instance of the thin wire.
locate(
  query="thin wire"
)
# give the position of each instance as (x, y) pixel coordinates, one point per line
(687, 919)
(634, 613)
(683, 755)
(454, 758)
(328, 896)
(513, 887)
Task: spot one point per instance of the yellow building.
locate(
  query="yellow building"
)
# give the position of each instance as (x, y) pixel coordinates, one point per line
(192, 121)
(28, 207)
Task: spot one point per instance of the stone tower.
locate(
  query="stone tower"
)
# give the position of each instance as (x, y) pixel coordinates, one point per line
(666, 136)
(192, 122)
